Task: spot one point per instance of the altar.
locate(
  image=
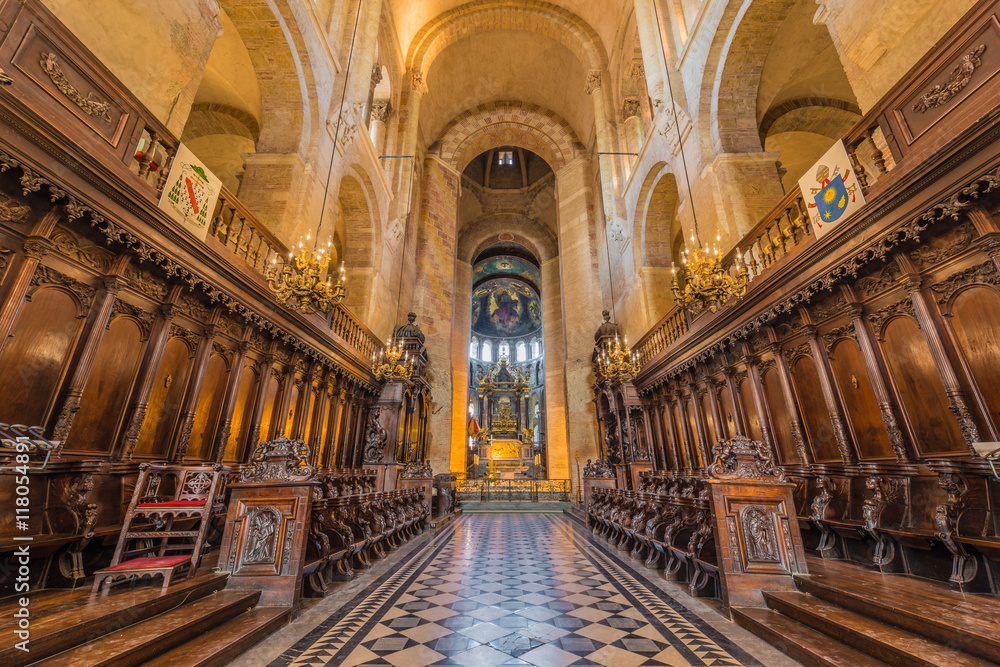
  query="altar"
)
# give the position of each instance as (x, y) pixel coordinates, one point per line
(504, 447)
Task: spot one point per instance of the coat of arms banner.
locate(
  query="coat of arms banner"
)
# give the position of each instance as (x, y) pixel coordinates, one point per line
(190, 193)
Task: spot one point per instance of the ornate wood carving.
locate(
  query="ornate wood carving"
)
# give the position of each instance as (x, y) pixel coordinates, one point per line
(959, 78)
(144, 283)
(279, 460)
(982, 274)
(840, 333)
(13, 211)
(123, 308)
(375, 437)
(88, 254)
(939, 248)
(879, 281)
(743, 458)
(46, 275)
(758, 535)
(92, 105)
(881, 316)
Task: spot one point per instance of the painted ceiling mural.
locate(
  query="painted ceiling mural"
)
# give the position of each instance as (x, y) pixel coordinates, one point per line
(506, 265)
(505, 308)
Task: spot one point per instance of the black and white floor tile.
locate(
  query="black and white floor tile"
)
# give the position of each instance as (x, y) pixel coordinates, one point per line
(512, 589)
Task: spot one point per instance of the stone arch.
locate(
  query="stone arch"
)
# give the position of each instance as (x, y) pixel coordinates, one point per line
(356, 241)
(485, 231)
(536, 16)
(655, 216)
(755, 24)
(507, 123)
(819, 115)
(271, 33)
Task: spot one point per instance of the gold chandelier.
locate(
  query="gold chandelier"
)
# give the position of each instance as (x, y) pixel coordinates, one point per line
(617, 361)
(392, 363)
(303, 282)
(707, 285)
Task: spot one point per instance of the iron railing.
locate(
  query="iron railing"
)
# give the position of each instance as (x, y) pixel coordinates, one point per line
(514, 490)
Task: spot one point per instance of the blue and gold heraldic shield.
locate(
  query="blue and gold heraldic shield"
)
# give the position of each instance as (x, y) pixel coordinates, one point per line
(831, 201)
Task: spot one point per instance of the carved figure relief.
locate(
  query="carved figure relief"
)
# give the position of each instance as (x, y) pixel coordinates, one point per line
(262, 535)
(758, 535)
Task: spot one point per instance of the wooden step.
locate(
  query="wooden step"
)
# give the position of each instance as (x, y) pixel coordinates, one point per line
(960, 621)
(140, 642)
(63, 619)
(800, 642)
(221, 645)
(884, 642)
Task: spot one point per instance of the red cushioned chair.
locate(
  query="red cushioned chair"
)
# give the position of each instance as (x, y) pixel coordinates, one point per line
(163, 494)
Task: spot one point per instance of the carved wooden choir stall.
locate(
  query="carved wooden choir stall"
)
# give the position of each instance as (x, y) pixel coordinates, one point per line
(862, 365)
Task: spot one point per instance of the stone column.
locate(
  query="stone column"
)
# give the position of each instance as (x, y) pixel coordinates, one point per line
(749, 186)
(434, 298)
(273, 187)
(581, 311)
(377, 124)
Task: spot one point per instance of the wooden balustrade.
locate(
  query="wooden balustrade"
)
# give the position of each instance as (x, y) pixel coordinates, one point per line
(244, 235)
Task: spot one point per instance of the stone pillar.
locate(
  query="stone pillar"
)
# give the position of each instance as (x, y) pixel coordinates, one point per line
(434, 298)
(273, 187)
(749, 186)
(581, 310)
(458, 357)
(377, 124)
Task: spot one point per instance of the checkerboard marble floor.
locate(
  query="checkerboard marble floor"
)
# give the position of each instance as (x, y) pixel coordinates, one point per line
(512, 589)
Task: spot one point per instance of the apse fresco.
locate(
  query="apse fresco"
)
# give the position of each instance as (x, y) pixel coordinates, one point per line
(507, 266)
(505, 308)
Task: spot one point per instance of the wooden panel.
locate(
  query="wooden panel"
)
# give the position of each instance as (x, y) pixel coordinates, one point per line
(728, 427)
(324, 428)
(272, 393)
(749, 409)
(242, 415)
(35, 354)
(976, 321)
(814, 411)
(781, 423)
(706, 410)
(106, 395)
(289, 418)
(165, 401)
(206, 418)
(861, 410)
(920, 390)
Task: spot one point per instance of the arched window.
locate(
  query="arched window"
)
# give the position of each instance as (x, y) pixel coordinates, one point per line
(522, 351)
(536, 349)
(503, 350)
(474, 349)
(486, 353)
